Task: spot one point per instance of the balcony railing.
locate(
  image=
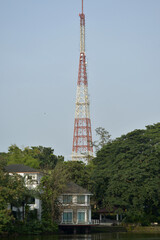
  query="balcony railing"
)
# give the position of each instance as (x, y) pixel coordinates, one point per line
(95, 221)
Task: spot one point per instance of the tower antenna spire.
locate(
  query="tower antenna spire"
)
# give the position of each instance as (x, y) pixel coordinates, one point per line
(82, 149)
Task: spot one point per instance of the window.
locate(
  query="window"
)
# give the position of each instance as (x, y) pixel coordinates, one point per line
(67, 199)
(67, 217)
(31, 200)
(80, 199)
(88, 199)
(81, 217)
(29, 177)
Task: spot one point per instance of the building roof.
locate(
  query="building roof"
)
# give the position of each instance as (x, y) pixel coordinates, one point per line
(109, 210)
(20, 168)
(73, 188)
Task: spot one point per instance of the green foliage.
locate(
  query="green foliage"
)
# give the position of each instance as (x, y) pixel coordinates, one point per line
(17, 156)
(6, 220)
(46, 158)
(12, 192)
(36, 157)
(30, 227)
(51, 186)
(3, 161)
(12, 189)
(35, 226)
(79, 173)
(48, 226)
(126, 174)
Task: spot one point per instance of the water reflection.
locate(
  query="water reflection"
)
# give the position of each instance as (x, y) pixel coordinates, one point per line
(98, 236)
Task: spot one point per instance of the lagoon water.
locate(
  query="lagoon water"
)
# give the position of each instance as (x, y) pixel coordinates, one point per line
(98, 236)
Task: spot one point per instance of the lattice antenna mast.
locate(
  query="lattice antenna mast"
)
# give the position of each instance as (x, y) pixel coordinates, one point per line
(82, 138)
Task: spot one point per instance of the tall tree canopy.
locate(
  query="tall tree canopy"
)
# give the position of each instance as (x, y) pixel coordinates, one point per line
(126, 174)
(36, 157)
(80, 173)
(24, 156)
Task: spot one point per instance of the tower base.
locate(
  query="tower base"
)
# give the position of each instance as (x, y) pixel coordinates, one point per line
(84, 157)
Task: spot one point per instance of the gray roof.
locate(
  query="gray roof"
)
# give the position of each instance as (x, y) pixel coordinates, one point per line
(73, 188)
(20, 168)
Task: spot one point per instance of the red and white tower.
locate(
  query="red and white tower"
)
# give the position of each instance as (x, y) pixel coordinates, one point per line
(82, 138)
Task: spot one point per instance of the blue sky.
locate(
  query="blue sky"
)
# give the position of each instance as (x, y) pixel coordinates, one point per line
(39, 55)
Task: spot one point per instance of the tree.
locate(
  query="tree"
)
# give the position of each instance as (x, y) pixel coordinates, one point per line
(3, 161)
(36, 157)
(51, 186)
(126, 174)
(46, 158)
(17, 156)
(104, 138)
(79, 173)
(13, 193)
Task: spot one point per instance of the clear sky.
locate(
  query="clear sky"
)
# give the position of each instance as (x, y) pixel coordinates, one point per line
(39, 55)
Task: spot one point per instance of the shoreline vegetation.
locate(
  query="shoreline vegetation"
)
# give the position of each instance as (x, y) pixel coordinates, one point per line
(101, 229)
(143, 229)
(127, 228)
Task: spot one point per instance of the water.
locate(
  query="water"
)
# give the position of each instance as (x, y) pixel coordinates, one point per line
(98, 236)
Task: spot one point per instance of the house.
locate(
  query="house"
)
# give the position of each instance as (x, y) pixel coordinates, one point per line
(76, 208)
(32, 179)
(75, 200)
